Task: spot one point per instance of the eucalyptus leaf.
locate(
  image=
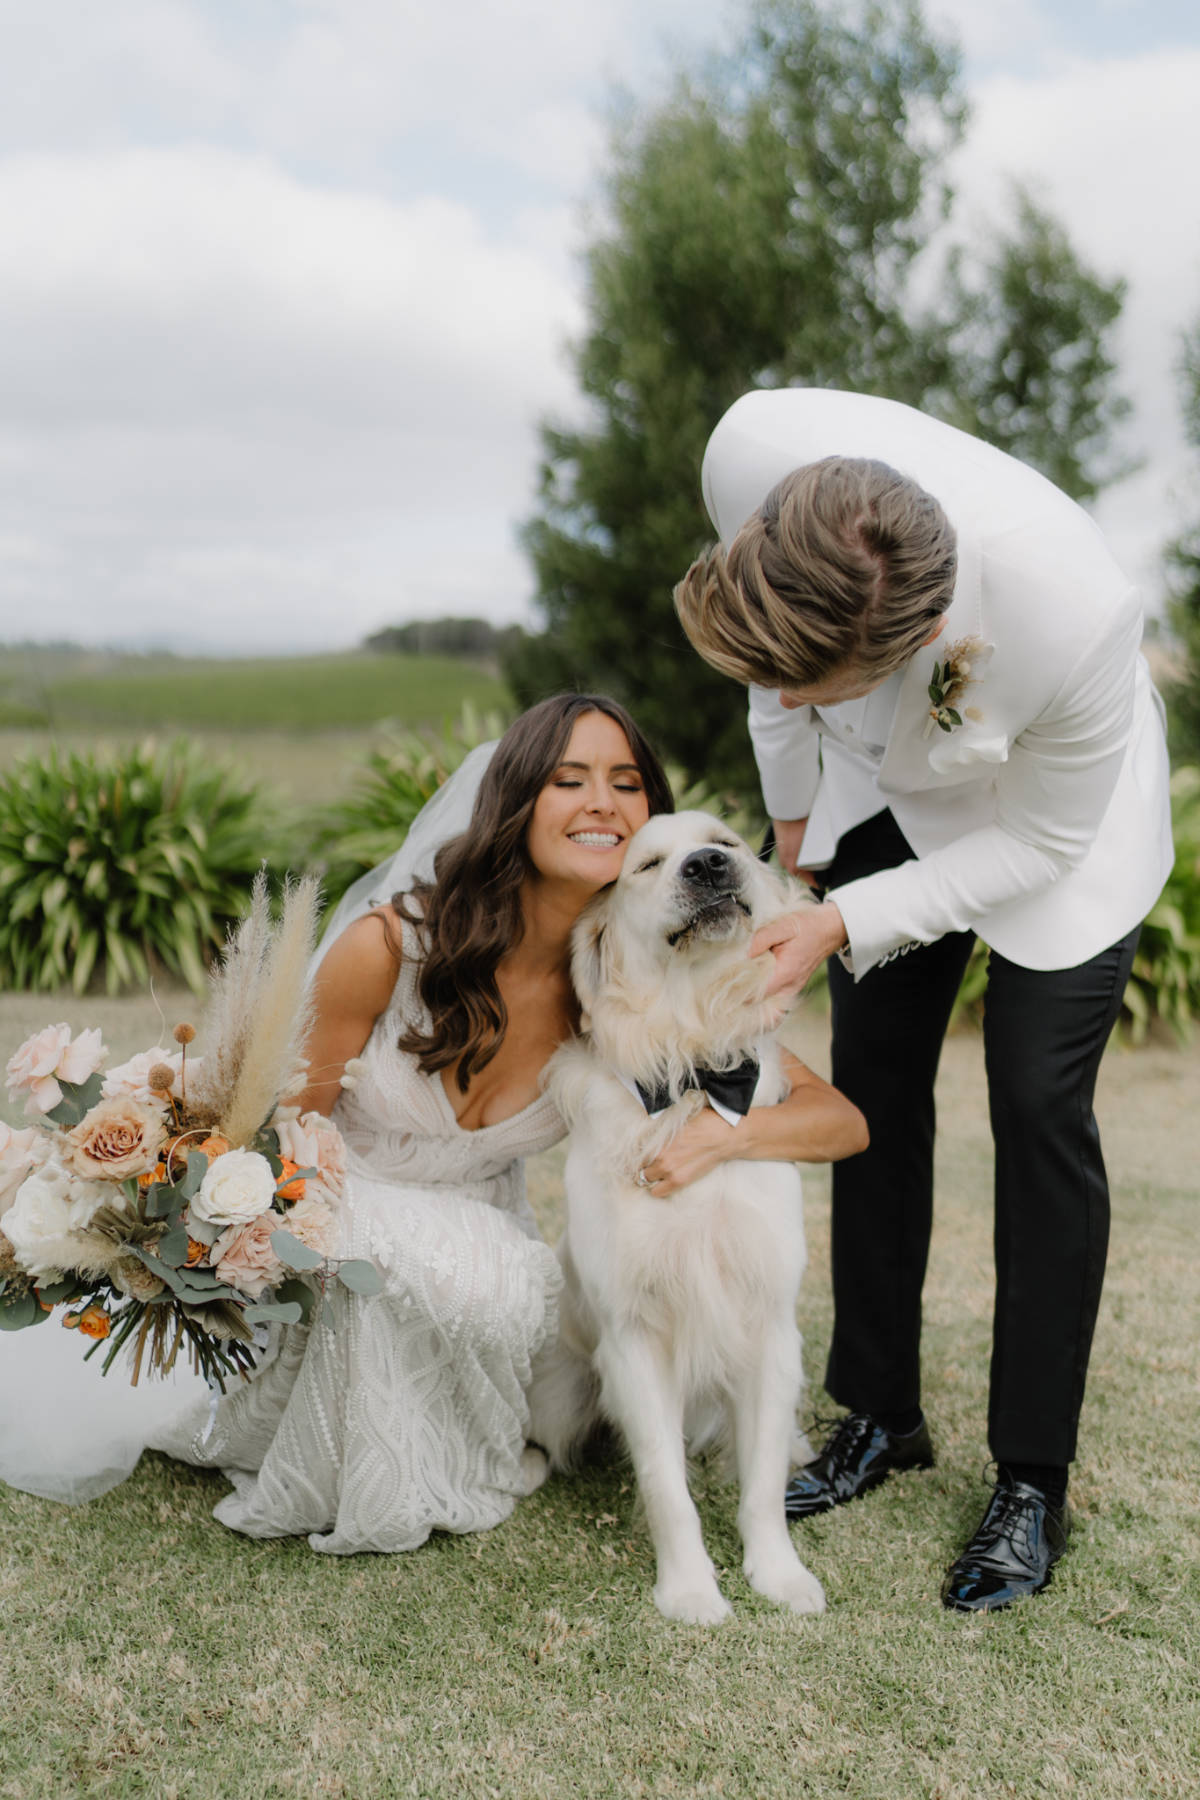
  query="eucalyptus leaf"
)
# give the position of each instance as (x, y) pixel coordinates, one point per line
(197, 1169)
(360, 1277)
(204, 1231)
(58, 1291)
(19, 1313)
(292, 1253)
(161, 1199)
(78, 1099)
(285, 1312)
(173, 1248)
(297, 1293)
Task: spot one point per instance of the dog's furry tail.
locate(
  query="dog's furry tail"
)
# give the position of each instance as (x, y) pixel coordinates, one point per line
(564, 1405)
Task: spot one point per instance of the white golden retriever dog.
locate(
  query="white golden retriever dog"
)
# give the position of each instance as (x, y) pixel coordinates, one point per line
(680, 1313)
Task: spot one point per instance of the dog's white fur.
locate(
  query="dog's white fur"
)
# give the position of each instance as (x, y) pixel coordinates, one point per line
(680, 1311)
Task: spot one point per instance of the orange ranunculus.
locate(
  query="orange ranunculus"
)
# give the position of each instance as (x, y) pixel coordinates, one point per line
(196, 1253)
(286, 1187)
(94, 1322)
(214, 1146)
(150, 1176)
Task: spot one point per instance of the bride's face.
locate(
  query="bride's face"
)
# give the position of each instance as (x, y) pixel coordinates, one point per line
(590, 808)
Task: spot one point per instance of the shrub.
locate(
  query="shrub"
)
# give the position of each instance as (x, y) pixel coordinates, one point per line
(395, 781)
(127, 863)
(1166, 971)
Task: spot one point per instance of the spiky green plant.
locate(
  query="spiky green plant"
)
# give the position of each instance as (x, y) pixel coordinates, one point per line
(395, 781)
(123, 863)
(1166, 970)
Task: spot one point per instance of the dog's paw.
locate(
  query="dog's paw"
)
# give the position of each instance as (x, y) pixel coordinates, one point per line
(786, 1581)
(692, 1602)
(800, 1451)
(534, 1469)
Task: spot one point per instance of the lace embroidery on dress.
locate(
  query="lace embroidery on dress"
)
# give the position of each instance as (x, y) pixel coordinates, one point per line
(395, 1416)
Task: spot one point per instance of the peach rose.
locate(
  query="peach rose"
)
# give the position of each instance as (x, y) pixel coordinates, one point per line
(117, 1138)
(314, 1142)
(312, 1222)
(48, 1058)
(94, 1322)
(244, 1257)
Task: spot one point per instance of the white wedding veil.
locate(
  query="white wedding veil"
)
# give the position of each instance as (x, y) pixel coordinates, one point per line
(443, 816)
(69, 1433)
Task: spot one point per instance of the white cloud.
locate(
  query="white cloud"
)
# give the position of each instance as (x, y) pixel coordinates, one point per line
(284, 286)
(1108, 147)
(210, 368)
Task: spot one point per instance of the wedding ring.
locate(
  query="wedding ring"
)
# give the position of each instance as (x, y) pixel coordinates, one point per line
(640, 1178)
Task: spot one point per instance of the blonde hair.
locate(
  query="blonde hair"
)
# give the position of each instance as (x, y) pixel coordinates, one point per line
(846, 565)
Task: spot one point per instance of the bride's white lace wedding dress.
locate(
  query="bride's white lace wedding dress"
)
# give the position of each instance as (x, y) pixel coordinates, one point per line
(405, 1413)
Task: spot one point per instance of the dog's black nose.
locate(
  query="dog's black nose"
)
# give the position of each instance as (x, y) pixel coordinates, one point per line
(706, 868)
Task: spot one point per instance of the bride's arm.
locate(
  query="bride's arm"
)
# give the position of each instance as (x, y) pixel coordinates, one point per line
(814, 1124)
(351, 988)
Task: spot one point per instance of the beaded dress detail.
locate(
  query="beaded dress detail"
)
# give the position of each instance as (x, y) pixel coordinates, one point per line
(405, 1413)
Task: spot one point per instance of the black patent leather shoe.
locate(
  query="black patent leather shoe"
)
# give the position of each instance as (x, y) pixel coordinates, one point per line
(1020, 1538)
(859, 1455)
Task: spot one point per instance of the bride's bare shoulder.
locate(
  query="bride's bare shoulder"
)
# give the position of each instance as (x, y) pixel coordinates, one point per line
(358, 971)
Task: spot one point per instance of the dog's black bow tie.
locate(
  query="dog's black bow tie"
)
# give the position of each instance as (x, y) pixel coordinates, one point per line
(733, 1088)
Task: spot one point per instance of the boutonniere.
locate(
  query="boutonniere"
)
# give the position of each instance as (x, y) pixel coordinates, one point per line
(960, 668)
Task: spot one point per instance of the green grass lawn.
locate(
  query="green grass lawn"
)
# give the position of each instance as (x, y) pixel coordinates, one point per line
(147, 1651)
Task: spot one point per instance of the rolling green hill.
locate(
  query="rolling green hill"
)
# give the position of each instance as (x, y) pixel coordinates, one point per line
(70, 690)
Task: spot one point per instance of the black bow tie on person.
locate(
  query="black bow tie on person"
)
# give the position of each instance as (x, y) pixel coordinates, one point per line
(734, 1088)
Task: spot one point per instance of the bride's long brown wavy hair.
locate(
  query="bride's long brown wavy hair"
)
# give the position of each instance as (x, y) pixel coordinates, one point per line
(469, 915)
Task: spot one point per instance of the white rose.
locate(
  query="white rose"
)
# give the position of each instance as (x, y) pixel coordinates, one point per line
(39, 1222)
(20, 1152)
(238, 1187)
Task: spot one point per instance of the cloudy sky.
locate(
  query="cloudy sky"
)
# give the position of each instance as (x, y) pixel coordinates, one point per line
(285, 285)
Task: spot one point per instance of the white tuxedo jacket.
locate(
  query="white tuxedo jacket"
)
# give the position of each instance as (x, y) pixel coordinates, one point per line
(1044, 823)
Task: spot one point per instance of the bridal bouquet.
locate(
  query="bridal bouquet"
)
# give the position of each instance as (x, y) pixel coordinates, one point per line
(178, 1201)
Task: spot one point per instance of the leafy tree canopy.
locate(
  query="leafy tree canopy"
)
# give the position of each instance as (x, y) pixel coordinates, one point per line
(761, 229)
(1183, 572)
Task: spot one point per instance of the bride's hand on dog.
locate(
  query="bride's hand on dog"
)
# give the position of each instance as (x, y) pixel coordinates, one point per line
(799, 942)
(705, 1142)
(815, 1123)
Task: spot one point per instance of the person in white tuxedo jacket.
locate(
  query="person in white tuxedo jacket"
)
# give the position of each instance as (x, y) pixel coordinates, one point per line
(956, 736)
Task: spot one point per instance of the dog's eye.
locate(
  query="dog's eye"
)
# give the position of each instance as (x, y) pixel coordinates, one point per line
(651, 862)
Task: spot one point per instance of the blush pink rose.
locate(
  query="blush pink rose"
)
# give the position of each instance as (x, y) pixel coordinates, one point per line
(48, 1058)
(243, 1255)
(131, 1080)
(314, 1142)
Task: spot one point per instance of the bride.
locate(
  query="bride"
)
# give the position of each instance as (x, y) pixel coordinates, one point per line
(436, 1013)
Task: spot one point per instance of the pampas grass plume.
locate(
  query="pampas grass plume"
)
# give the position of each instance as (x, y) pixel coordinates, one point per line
(276, 1014)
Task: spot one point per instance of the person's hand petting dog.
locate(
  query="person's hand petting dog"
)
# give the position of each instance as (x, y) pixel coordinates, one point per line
(799, 942)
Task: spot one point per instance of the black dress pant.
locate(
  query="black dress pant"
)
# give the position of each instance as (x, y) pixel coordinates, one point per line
(1044, 1035)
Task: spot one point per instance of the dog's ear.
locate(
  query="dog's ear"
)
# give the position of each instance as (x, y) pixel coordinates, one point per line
(590, 952)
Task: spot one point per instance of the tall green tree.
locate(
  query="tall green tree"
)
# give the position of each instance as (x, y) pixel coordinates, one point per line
(1183, 574)
(1026, 348)
(761, 229)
